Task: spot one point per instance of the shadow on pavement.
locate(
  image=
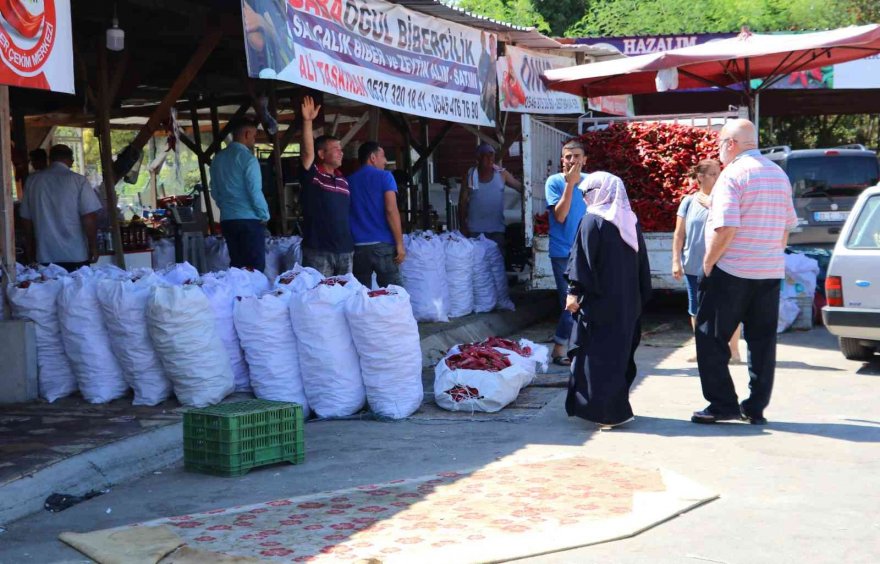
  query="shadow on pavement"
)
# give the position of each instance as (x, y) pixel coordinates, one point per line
(684, 428)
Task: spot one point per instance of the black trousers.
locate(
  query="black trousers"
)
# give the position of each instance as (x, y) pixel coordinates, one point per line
(246, 241)
(725, 301)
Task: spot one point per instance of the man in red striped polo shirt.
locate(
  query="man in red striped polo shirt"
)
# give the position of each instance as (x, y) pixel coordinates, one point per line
(750, 216)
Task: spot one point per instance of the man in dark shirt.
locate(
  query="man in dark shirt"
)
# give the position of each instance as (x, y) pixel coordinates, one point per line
(325, 198)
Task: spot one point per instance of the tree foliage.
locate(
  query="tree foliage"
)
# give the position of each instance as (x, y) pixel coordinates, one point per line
(655, 17)
(518, 12)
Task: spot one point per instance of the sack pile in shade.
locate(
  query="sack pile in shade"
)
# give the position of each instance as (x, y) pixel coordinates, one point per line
(331, 345)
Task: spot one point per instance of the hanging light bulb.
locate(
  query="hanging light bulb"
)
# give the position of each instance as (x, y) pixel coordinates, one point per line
(115, 35)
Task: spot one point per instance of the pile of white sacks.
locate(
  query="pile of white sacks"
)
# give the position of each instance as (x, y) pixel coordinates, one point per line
(330, 345)
(449, 275)
(282, 253)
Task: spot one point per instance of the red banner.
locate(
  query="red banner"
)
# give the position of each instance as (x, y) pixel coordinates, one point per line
(36, 44)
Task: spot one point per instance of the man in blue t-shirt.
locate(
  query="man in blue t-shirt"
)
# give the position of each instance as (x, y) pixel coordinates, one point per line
(566, 207)
(375, 219)
(325, 200)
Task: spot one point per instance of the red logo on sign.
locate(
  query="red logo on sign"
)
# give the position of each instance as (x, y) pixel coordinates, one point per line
(27, 34)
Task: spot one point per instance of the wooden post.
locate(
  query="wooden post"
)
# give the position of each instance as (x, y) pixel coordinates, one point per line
(426, 180)
(103, 125)
(215, 121)
(203, 174)
(277, 149)
(375, 119)
(7, 217)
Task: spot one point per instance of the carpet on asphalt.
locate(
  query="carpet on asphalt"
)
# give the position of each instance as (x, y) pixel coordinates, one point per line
(511, 508)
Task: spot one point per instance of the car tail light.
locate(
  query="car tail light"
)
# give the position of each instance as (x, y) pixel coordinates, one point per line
(832, 153)
(834, 291)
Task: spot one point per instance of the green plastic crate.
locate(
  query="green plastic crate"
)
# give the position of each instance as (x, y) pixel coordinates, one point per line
(231, 438)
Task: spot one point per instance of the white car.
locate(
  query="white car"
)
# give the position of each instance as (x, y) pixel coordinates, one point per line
(852, 286)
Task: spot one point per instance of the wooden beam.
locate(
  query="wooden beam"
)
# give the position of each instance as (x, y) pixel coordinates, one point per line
(203, 174)
(7, 218)
(206, 47)
(399, 122)
(288, 136)
(84, 71)
(103, 123)
(423, 158)
(218, 139)
(118, 75)
(215, 121)
(355, 128)
(483, 137)
(276, 162)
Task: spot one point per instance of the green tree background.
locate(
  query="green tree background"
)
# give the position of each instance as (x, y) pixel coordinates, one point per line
(609, 18)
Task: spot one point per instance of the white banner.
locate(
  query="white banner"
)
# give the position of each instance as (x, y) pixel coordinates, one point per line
(377, 53)
(519, 80)
(36, 44)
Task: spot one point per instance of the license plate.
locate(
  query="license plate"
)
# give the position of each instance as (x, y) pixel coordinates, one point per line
(830, 216)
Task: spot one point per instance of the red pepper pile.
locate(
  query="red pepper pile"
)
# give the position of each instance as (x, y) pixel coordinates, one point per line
(381, 292)
(542, 223)
(478, 357)
(461, 393)
(653, 160)
(333, 281)
(288, 278)
(499, 343)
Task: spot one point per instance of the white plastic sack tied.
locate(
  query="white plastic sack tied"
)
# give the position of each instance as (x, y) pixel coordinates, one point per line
(801, 272)
(124, 305)
(216, 254)
(247, 282)
(477, 390)
(274, 253)
(35, 300)
(220, 295)
(181, 326)
(386, 336)
(328, 360)
(424, 277)
(485, 294)
(788, 312)
(163, 254)
(181, 273)
(459, 274)
(499, 275)
(263, 325)
(86, 340)
(298, 279)
(292, 253)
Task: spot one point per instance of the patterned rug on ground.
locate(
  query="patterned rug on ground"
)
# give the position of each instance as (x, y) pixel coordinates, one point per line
(508, 509)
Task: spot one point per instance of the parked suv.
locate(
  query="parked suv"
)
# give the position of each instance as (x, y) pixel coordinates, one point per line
(852, 287)
(825, 185)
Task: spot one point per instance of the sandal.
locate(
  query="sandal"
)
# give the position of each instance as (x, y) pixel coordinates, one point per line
(561, 361)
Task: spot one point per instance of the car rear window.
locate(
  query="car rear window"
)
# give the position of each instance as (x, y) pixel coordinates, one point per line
(865, 233)
(832, 175)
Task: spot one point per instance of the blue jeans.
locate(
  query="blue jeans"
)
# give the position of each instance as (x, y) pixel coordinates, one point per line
(565, 323)
(692, 286)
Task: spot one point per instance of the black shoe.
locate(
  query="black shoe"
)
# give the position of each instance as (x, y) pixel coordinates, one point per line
(707, 417)
(752, 419)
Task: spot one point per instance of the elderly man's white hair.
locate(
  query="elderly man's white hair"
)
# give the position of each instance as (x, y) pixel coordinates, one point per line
(744, 131)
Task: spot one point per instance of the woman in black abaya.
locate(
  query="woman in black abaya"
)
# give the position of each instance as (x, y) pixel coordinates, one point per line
(609, 283)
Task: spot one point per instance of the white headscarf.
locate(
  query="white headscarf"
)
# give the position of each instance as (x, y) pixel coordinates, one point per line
(605, 196)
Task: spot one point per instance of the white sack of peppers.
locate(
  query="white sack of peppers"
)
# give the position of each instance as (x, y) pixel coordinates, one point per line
(124, 305)
(35, 299)
(531, 356)
(181, 325)
(386, 336)
(298, 279)
(485, 293)
(216, 254)
(86, 339)
(478, 378)
(459, 273)
(221, 296)
(263, 325)
(328, 359)
(180, 274)
(424, 277)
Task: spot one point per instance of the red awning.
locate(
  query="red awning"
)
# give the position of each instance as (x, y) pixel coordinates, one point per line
(719, 63)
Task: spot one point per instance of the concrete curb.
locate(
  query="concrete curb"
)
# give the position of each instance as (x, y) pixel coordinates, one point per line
(139, 455)
(99, 468)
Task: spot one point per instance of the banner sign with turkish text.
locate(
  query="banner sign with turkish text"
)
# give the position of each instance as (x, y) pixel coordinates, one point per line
(519, 80)
(36, 44)
(377, 53)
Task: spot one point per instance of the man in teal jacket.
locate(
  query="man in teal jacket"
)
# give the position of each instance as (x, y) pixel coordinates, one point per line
(237, 187)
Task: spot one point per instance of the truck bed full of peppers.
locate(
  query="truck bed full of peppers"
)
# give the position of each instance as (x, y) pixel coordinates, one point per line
(653, 160)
